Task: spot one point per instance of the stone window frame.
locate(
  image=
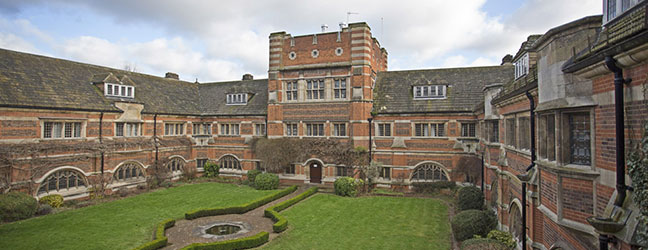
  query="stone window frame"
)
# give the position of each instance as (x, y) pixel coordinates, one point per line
(290, 170)
(174, 128)
(77, 129)
(381, 131)
(117, 90)
(200, 163)
(429, 165)
(126, 169)
(493, 133)
(260, 129)
(291, 129)
(45, 186)
(315, 93)
(236, 99)
(337, 127)
(424, 92)
(229, 129)
(385, 173)
(291, 91)
(176, 165)
(339, 50)
(314, 129)
(468, 129)
(340, 89)
(342, 171)
(439, 129)
(521, 66)
(292, 55)
(202, 128)
(565, 158)
(546, 144)
(510, 128)
(124, 127)
(230, 162)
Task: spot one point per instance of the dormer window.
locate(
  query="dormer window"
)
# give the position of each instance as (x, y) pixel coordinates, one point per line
(522, 66)
(237, 99)
(119, 90)
(430, 92)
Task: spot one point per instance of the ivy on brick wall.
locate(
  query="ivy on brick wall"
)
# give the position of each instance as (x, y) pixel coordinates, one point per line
(638, 170)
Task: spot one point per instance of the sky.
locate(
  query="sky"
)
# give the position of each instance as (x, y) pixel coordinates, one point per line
(208, 40)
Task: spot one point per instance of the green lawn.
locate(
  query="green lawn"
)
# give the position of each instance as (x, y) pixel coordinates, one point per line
(121, 224)
(332, 222)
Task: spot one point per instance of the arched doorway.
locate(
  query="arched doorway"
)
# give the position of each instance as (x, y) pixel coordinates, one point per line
(315, 172)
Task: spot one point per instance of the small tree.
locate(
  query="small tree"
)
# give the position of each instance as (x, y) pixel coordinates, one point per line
(469, 167)
(369, 173)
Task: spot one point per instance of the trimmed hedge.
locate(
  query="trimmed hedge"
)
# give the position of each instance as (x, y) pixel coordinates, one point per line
(242, 243)
(266, 181)
(252, 174)
(473, 222)
(241, 208)
(432, 187)
(160, 239)
(17, 206)
(470, 197)
(54, 200)
(211, 169)
(281, 223)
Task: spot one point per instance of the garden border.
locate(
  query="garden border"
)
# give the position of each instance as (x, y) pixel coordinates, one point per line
(281, 223)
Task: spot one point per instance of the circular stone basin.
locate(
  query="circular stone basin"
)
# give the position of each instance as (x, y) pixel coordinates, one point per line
(224, 229)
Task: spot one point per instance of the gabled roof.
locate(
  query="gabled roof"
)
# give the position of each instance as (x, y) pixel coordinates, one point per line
(393, 92)
(32, 81)
(213, 97)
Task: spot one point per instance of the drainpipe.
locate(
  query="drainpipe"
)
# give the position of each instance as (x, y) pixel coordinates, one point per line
(482, 174)
(533, 159)
(101, 140)
(370, 156)
(620, 140)
(155, 140)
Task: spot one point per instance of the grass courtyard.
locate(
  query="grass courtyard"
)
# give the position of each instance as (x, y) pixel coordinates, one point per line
(326, 221)
(323, 221)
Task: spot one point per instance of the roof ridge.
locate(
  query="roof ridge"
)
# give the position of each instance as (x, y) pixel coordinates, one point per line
(444, 69)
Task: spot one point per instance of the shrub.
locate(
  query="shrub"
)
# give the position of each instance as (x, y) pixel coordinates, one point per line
(505, 238)
(470, 197)
(242, 243)
(473, 222)
(211, 169)
(17, 206)
(160, 239)
(432, 187)
(347, 186)
(54, 200)
(44, 209)
(251, 174)
(482, 244)
(266, 181)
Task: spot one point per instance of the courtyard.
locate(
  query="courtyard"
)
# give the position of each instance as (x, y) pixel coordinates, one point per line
(323, 221)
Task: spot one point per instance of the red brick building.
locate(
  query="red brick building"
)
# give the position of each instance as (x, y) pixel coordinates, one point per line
(543, 121)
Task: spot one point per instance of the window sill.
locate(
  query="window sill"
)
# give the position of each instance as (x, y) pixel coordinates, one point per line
(174, 135)
(202, 135)
(229, 135)
(430, 137)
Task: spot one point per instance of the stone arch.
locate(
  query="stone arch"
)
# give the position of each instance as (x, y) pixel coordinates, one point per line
(229, 162)
(129, 171)
(176, 165)
(65, 180)
(429, 171)
(515, 220)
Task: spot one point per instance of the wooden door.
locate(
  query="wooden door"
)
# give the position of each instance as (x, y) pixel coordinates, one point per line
(315, 173)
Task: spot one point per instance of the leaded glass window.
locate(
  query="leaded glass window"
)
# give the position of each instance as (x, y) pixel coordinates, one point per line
(229, 162)
(429, 172)
(175, 165)
(129, 172)
(579, 136)
(62, 180)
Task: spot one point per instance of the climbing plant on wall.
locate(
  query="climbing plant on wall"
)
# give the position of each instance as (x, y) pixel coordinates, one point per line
(638, 170)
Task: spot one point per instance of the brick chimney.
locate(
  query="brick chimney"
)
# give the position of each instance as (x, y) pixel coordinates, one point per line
(507, 60)
(248, 77)
(172, 75)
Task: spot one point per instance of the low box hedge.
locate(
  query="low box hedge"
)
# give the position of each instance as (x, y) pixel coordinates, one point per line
(241, 208)
(242, 243)
(281, 223)
(160, 239)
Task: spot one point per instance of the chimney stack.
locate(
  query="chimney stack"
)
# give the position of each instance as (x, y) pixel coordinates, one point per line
(324, 27)
(507, 60)
(248, 77)
(172, 75)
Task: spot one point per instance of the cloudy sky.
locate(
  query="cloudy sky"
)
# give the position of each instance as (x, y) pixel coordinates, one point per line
(221, 40)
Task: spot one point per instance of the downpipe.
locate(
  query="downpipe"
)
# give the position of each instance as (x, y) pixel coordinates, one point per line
(619, 129)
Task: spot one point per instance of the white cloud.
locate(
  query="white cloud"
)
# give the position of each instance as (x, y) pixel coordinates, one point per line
(13, 42)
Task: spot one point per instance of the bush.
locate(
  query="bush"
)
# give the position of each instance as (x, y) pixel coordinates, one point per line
(483, 244)
(54, 200)
(252, 174)
(281, 223)
(433, 187)
(242, 243)
(505, 238)
(241, 208)
(266, 181)
(470, 197)
(347, 186)
(473, 222)
(17, 206)
(211, 169)
(44, 209)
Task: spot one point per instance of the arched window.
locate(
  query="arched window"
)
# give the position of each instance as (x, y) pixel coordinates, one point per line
(129, 172)
(429, 172)
(175, 165)
(61, 181)
(229, 162)
(515, 222)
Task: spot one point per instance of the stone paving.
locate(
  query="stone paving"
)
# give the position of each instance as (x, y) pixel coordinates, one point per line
(186, 232)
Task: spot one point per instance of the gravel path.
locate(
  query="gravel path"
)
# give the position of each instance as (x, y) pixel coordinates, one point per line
(186, 232)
